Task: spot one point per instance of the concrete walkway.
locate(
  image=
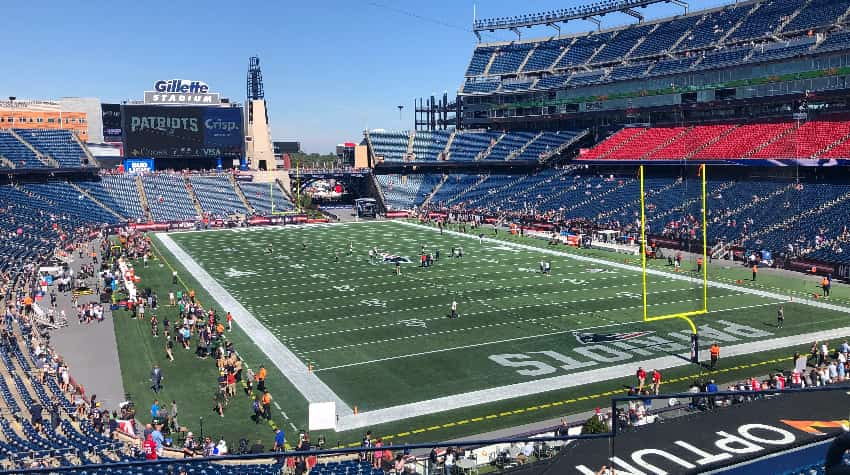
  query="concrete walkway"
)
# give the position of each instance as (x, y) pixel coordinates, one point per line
(91, 350)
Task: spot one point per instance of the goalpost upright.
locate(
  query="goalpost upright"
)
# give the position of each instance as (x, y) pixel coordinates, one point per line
(681, 315)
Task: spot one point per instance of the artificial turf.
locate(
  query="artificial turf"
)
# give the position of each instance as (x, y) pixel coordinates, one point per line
(379, 340)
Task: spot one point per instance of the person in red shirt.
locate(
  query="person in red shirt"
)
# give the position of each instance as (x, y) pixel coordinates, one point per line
(229, 322)
(656, 381)
(641, 377)
(149, 448)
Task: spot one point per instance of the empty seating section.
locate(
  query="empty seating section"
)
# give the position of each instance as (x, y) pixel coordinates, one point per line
(118, 193)
(216, 195)
(406, 191)
(392, 146)
(765, 20)
(673, 66)
(480, 59)
(582, 49)
(430, 145)
(818, 13)
(694, 140)
(509, 58)
(664, 37)
(517, 86)
(781, 51)
(467, 145)
(743, 140)
(723, 58)
(59, 144)
(761, 31)
(455, 185)
(16, 152)
(481, 86)
(806, 141)
(583, 79)
(547, 142)
(509, 143)
(649, 141)
(551, 82)
(628, 72)
(713, 27)
(168, 198)
(348, 467)
(262, 196)
(824, 138)
(69, 199)
(544, 56)
(612, 143)
(616, 48)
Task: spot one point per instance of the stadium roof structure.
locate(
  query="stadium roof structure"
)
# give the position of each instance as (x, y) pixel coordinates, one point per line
(553, 17)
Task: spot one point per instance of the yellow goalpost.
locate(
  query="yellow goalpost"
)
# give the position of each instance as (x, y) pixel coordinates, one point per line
(682, 315)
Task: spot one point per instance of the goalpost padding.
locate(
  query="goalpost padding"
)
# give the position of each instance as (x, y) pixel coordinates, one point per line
(704, 225)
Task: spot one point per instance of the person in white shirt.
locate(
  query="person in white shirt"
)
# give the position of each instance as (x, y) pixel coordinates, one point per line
(454, 309)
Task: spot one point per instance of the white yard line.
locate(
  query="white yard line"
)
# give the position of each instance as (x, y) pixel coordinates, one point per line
(521, 338)
(484, 396)
(308, 384)
(720, 285)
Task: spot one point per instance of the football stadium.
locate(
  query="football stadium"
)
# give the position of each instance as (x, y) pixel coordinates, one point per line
(617, 247)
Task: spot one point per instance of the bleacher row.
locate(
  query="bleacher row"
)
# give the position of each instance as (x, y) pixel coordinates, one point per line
(762, 30)
(823, 139)
(37, 148)
(468, 145)
(757, 214)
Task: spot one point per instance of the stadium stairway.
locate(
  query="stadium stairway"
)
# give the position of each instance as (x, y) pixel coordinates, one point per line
(449, 144)
(240, 193)
(195, 201)
(443, 180)
(775, 138)
(380, 192)
(518, 152)
(410, 141)
(487, 151)
(143, 198)
(560, 148)
(48, 161)
(99, 203)
(92, 161)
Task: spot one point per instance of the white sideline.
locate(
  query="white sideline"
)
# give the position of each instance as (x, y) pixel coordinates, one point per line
(315, 390)
(528, 388)
(308, 384)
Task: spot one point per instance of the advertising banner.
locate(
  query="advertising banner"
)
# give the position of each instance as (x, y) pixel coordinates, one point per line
(138, 165)
(111, 116)
(183, 132)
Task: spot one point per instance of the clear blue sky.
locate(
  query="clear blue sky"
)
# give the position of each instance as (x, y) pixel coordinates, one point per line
(331, 67)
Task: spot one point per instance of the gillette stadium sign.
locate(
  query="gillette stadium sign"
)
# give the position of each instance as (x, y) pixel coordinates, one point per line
(181, 92)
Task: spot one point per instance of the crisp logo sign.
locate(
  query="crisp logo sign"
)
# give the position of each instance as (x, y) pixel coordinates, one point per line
(182, 86)
(181, 91)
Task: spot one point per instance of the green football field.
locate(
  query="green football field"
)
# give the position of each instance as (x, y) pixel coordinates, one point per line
(358, 334)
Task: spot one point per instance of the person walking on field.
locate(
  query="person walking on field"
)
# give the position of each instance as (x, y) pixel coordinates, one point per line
(715, 355)
(454, 309)
(780, 316)
(755, 271)
(825, 285)
(656, 381)
(641, 377)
